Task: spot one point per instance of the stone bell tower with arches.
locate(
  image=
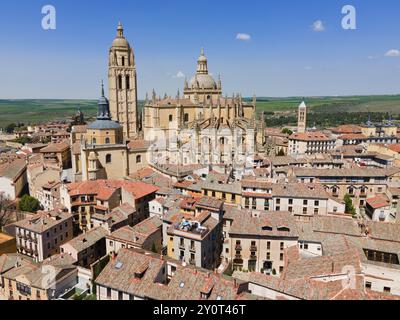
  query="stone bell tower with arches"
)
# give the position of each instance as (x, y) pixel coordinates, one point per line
(122, 81)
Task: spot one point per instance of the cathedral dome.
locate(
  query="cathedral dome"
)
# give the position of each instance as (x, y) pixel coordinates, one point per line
(203, 81)
(120, 41)
(104, 125)
(103, 121)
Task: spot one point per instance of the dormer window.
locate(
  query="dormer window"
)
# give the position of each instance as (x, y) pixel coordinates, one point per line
(267, 228)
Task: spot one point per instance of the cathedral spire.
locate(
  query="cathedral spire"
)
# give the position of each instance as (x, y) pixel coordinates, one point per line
(103, 109)
(219, 107)
(120, 30)
(226, 108)
(202, 67)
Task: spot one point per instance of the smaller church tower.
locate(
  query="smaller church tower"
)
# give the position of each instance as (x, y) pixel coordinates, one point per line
(302, 118)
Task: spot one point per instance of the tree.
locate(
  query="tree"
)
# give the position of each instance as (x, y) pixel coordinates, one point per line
(29, 204)
(10, 128)
(349, 205)
(6, 210)
(287, 131)
(23, 140)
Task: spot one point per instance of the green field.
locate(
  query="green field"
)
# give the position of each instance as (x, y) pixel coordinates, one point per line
(389, 103)
(37, 111)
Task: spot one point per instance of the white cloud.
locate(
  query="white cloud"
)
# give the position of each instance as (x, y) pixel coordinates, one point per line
(243, 37)
(318, 26)
(179, 75)
(373, 57)
(393, 53)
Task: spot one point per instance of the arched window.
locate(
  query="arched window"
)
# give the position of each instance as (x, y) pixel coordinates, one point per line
(123, 61)
(107, 140)
(119, 82)
(171, 118)
(139, 159)
(94, 141)
(128, 84)
(108, 158)
(186, 117)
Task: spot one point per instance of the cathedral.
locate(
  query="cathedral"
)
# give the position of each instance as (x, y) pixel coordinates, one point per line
(203, 126)
(200, 126)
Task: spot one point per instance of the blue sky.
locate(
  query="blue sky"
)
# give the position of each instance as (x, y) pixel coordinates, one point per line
(284, 56)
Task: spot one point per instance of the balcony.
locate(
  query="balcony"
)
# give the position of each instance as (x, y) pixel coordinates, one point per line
(192, 249)
(252, 257)
(253, 248)
(238, 247)
(182, 246)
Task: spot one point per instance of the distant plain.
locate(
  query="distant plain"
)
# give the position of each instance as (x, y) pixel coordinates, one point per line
(38, 111)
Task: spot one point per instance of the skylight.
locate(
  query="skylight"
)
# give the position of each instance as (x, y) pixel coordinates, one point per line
(119, 265)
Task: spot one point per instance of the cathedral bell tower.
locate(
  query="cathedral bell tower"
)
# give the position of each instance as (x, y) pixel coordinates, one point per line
(123, 85)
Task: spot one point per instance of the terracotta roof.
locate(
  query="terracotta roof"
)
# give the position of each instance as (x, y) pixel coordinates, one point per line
(210, 203)
(323, 266)
(138, 145)
(55, 147)
(143, 173)
(310, 136)
(346, 172)
(379, 201)
(137, 273)
(277, 224)
(139, 233)
(106, 188)
(353, 136)
(12, 169)
(300, 190)
(347, 129)
(248, 183)
(394, 147)
(87, 239)
(43, 221)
